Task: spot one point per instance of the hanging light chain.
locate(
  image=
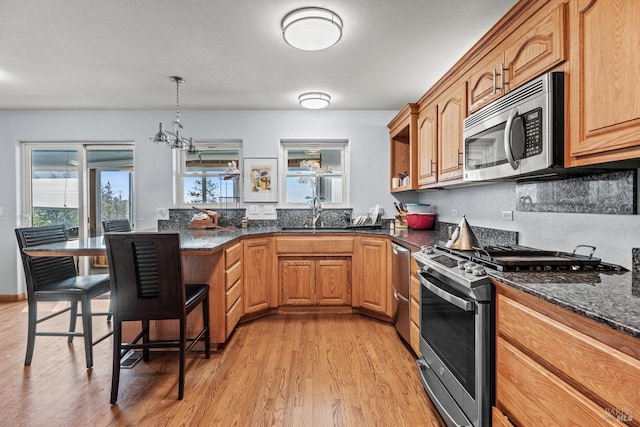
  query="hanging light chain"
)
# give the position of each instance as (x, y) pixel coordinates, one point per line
(178, 80)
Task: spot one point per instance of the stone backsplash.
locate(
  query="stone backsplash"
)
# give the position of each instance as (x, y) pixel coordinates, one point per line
(601, 193)
(181, 218)
(487, 236)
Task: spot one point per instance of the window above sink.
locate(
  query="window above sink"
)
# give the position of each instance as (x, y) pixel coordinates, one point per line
(300, 180)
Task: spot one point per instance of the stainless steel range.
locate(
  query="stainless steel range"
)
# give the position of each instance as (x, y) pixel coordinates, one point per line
(457, 317)
(455, 336)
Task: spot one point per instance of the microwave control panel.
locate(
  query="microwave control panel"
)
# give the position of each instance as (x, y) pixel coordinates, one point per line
(532, 132)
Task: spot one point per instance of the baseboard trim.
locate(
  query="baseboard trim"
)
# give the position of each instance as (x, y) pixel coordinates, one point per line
(12, 298)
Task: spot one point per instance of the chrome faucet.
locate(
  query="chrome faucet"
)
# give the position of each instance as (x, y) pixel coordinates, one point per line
(316, 206)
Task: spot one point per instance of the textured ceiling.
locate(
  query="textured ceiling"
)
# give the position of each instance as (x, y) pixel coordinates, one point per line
(119, 54)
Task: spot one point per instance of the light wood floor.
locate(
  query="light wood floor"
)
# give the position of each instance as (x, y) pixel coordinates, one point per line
(282, 370)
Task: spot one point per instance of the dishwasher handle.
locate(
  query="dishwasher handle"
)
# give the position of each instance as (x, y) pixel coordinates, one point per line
(398, 296)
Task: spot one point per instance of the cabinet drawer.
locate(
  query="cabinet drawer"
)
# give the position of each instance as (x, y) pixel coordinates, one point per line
(414, 337)
(314, 245)
(415, 312)
(232, 295)
(233, 316)
(232, 255)
(498, 419)
(609, 376)
(415, 288)
(536, 397)
(232, 275)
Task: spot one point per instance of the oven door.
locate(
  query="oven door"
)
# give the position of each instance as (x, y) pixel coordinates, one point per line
(455, 345)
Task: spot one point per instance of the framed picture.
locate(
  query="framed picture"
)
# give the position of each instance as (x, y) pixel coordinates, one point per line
(260, 179)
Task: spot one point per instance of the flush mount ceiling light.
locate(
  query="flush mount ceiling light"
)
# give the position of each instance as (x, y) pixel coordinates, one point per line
(314, 100)
(311, 28)
(174, 139)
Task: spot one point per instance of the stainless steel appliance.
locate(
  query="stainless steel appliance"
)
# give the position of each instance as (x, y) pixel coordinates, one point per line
(401, 283)
(519, 134)
(456, 321)
(455, 336)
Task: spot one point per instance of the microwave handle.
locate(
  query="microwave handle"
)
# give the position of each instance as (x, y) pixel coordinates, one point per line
(507, 139)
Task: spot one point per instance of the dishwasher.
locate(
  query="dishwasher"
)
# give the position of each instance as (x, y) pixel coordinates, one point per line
(401, 283)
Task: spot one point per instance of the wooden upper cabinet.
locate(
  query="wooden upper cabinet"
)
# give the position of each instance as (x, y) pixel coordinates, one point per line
(486, 82)
(428, 145)
(404, 146)
(535, 47)
(452, 110)
(605, 100)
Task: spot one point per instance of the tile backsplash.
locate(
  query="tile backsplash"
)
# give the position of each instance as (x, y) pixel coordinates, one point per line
(601, 193)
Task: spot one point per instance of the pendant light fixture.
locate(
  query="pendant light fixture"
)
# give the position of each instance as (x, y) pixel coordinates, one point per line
(174, 139)
(314, 100)
(311, 28)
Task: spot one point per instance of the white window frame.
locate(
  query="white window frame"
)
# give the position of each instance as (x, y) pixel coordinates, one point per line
(179, 171)
(315, 144)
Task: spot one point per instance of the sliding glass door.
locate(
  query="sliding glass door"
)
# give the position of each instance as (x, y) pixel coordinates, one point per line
(78, 185)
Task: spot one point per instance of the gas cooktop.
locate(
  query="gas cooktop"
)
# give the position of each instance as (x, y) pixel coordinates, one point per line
(523, 258)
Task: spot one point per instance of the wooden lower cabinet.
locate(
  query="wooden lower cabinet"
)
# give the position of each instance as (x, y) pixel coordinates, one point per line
(414, 298)
(372, 275)
(552, 368)
(258, 274)
(233, 287)
(315, 281)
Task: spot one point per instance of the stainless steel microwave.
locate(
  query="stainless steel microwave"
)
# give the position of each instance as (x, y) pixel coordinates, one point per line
(518, 134)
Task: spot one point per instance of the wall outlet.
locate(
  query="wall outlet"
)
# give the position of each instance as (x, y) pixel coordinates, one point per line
(163, 212)
(454, 212)
(507, 215)
(253, 209)
(269, 209)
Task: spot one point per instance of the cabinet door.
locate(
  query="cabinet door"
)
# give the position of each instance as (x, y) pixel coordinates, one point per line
(535, 48)
(297, 281)
(374, 290)
(258, 274)
(486, 82)
(333, 281)
(427, 145)
(451, 113)
(605, 101)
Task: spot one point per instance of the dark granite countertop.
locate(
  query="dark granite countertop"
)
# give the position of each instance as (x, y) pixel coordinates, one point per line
(605, 297)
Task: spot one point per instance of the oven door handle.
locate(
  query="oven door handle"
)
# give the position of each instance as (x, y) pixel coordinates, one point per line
(457, 301)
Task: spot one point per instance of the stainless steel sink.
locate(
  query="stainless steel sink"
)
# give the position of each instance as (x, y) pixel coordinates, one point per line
(316, 229)
(328, 229)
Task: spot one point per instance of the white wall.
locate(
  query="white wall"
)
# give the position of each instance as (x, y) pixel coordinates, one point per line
(260, 132)
(612, 235)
